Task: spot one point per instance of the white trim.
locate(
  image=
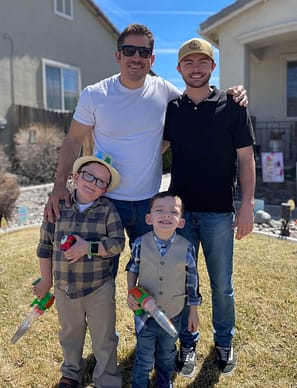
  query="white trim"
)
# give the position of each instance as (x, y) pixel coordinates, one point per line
(61, 66)
(267, 32)
(228, 17)
(285, 58)
(64, 14)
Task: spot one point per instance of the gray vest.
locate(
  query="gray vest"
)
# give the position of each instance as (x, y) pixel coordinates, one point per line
(164, 276)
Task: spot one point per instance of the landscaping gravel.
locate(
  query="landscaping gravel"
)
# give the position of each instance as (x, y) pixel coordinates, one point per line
(30, 205)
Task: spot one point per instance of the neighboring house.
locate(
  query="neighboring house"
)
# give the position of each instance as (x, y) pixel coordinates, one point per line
(49, 51)
(258, 48)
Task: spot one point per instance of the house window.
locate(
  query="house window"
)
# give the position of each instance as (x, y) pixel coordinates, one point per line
(61, 86)
(292, 89)
(64, 8)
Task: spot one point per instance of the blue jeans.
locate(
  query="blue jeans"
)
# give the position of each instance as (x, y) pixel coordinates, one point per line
(132, 215)
(155, 348)
(214, 232)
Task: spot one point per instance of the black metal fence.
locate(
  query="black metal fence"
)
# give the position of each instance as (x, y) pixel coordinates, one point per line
(277, 136)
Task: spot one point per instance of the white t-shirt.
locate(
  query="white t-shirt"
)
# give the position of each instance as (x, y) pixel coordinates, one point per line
(128, 126)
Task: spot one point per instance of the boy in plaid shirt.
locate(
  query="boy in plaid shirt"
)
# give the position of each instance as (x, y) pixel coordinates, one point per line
(84, 286)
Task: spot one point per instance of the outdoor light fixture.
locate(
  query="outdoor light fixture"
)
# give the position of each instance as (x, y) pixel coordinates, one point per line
(286, 215)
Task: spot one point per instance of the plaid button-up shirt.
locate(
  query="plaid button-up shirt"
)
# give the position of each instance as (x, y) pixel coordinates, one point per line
(100, 222)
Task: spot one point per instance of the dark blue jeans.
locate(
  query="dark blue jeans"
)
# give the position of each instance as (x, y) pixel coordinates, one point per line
(132, 214)
(155, 348)
(215, 233)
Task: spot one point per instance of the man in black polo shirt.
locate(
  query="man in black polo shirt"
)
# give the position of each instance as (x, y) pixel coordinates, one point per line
(209, 134)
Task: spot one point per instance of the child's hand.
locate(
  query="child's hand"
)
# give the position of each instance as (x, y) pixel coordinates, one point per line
(42, 288)
(132, 303)
(77, 250)
(193, 320)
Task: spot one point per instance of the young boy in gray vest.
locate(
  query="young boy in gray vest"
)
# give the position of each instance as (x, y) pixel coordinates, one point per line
(164, 264)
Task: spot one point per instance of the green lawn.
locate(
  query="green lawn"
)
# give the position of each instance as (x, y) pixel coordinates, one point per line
(265, 272)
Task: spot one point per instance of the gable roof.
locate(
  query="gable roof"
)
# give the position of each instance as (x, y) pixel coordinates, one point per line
(209, 28)
(101, 17)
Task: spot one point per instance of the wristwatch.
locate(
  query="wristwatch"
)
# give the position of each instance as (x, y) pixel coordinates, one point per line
(93, 248)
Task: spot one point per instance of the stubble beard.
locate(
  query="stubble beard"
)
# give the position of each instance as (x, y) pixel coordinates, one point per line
(137, 75)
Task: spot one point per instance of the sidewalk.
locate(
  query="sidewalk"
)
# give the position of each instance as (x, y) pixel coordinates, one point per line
(165, 182)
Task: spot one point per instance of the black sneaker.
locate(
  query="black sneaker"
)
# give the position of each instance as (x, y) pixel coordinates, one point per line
(225, 359)
(66, 382)
(186, 360)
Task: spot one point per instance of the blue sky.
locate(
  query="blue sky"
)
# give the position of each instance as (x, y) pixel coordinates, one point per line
(172, 22)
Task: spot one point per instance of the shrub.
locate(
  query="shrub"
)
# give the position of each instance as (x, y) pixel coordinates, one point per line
(9, 193)
(9, 189)
(36, 153)
(5, 164)
(167, 158)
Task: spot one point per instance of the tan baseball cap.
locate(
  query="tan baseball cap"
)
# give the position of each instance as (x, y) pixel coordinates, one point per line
(105, 161)
(195, 46)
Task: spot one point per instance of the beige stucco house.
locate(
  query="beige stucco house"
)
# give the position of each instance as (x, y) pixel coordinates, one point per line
(50, 50)
(257, 40)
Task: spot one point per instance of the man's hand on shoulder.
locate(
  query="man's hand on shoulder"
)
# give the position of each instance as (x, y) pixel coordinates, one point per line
(239, 94)
(51, 210)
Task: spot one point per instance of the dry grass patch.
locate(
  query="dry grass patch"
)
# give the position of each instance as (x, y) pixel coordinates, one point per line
(265, 341)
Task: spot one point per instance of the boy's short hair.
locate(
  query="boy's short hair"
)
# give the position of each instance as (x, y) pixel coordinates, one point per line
(136, 29)
(163, 194)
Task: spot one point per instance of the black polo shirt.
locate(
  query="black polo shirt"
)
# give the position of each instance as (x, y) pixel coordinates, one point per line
(203, 140)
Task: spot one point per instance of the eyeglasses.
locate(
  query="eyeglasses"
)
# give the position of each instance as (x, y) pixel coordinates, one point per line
(129, 50)
(101, 184)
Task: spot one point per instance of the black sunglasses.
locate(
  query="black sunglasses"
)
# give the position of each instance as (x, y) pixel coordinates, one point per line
(88, 177)
(129, 50)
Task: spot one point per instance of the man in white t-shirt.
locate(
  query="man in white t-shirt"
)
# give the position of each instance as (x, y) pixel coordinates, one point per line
(126, 114)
